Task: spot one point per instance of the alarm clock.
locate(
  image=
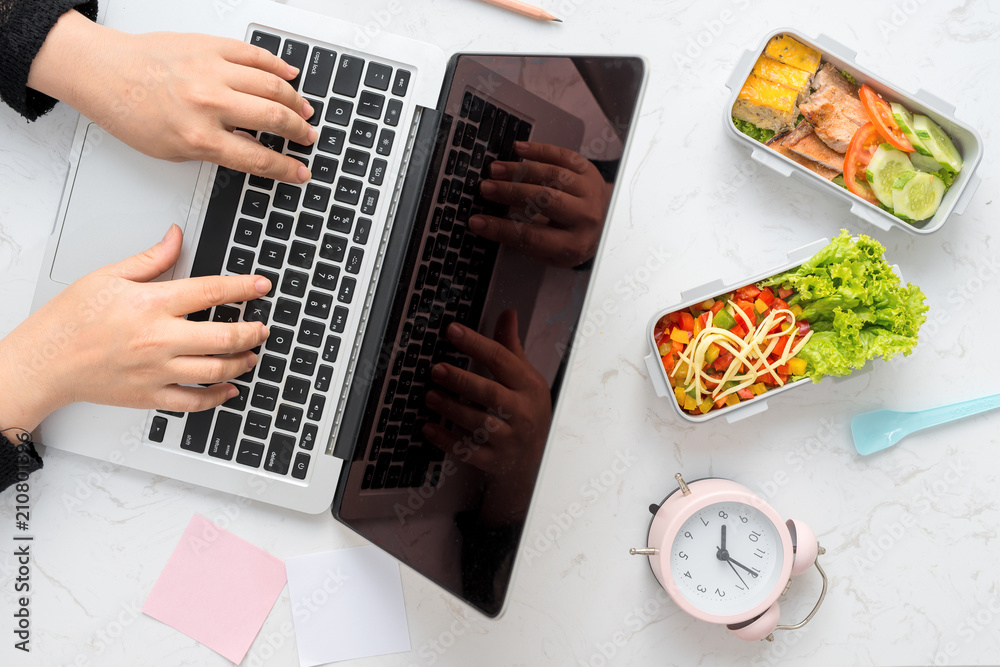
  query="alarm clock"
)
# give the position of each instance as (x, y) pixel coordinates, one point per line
(725, 556)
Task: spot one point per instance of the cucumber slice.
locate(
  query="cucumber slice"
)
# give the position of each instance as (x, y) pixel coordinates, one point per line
(924, 163)
(937, 142)
(904, 119)
(916, 195)
(886, 165)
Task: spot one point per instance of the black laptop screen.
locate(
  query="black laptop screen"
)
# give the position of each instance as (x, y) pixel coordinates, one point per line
(490, 281)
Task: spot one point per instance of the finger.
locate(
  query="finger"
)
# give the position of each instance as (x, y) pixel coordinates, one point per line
(563, 157)
(269, 87)
(482, 391)
(193, 294)
(535, 240)
(241, 53)
(539, 173)
(460, 445)
(468, 417)
(241, 110)
(210, 370)
(176, 398)
(506, 367)
(555, 204)
(152, 263)
(505, 332)
(241, 153)
(201, 338)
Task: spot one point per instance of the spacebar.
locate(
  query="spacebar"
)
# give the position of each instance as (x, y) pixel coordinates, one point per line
(218, 226)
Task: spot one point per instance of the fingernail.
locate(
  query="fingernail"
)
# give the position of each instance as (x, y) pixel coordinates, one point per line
(312, 135)
(439, 372)
(293, 70)
(263, 285)
(520, 146)
(477, 223)
(498, 170)
(304, 174)
(251, 361)
(488, 187)
(307, 110)
(455, 331)
(264, 333)
(232, 393)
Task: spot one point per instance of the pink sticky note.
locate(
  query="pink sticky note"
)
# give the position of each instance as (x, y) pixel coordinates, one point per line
(216, 589)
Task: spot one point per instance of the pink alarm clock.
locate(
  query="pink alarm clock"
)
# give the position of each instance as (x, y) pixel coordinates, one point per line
(725, 556)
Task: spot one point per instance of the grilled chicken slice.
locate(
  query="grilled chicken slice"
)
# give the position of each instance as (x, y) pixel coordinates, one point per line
(835, 115)
(803, 140)
(776, 143)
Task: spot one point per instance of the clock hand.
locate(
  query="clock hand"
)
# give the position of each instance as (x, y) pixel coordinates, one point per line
(737, 573)
(736, 562)
(723, 547)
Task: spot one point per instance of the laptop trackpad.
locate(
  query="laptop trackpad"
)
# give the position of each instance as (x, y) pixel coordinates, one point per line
(122, 202)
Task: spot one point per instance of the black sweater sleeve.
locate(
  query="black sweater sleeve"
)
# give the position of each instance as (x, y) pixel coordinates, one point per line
(24, 24)
(15, 460)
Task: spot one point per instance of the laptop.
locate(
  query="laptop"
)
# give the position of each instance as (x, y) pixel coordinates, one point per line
(370, 262)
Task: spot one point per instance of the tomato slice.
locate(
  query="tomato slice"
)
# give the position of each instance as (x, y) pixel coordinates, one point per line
(859, 154)
(881, 115)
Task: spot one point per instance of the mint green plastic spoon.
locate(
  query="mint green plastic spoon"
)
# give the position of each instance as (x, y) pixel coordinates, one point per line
(875, 431)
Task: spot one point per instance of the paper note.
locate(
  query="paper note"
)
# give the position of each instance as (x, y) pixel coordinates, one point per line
(216, 589)
(347, 604)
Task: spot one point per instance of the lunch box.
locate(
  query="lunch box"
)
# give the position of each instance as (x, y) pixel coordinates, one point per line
(732, 413)
(967, 140)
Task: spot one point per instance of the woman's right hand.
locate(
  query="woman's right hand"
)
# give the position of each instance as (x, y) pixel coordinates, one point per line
(113, 337)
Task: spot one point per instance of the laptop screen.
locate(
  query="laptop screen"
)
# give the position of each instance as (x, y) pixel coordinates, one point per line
(489, 284)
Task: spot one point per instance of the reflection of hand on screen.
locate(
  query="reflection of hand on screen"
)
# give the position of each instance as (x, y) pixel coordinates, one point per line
(502, 424)
(558, 201)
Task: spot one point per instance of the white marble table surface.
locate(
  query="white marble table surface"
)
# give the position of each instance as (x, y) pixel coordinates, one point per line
(911, 534)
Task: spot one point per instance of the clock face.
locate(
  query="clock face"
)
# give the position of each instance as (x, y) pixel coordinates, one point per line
(734, 576)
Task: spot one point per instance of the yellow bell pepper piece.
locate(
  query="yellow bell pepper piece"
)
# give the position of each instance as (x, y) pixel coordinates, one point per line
(706, 405)
(679, 393)
(758, 389)
(664, 349)
(732, 399)
(797, 366)
(759, 306)
(680, 336)
(690, 403)
(796, 310)
(712, 353)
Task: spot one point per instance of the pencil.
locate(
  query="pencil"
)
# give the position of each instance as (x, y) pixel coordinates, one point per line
(524, 9)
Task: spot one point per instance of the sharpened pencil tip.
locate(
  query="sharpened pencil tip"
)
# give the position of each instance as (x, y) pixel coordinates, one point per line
(557, 20)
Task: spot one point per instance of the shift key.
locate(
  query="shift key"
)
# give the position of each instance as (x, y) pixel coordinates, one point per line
(321, 64)
(196, 429)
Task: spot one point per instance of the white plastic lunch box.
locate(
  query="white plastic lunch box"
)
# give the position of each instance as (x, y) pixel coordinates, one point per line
(658, 374)
(966, 139)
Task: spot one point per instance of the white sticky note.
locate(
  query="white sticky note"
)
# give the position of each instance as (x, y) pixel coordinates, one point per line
(347, 604)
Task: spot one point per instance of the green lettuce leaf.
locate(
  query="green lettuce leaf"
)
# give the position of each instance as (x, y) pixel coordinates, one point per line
(855, 304)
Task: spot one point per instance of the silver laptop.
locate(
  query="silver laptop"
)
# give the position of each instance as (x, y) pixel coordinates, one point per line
(369, 262)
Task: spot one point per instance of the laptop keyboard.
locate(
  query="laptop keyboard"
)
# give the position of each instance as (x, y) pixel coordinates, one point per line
(450, 284)
(315, 242)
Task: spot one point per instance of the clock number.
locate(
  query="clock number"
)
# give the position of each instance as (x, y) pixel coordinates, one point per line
(702, 589)
(723, 515)
(688, 535)
(744, 519)
(754, 536)
(681, 554)
(688, 574)
(759, 553)
(721, 594)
